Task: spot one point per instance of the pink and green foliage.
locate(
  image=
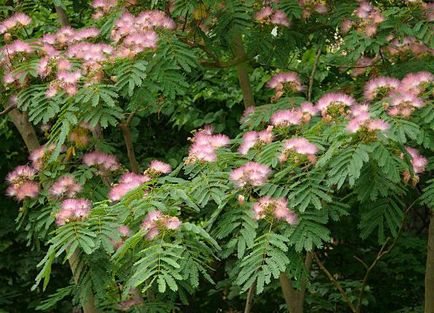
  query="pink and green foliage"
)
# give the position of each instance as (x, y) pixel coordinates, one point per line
(337, 134)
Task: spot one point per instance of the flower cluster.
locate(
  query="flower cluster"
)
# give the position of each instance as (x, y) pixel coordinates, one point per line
(285, 118)
(137, 33)
(66, 36)
(416, 83)
(17, 20)
(157, 168)
(39, 155)
(403, 104)
(268, 15)
(250, 174)
(73, 210)
(418, 161)
(156, 222)
(65, 186)
(127, 182)
(102, 161)
(80, 135)
(362, 65)
(246, 114)
(361, 121)
(408, 46)
(21, 183)
(205, 145)
(380, 87)
(369, 18)
(333, 105)
(298, 147)
(102, 7)
(276, 208)
(287, 81)
(253, 138)
(310, 6)
(124, 232)
(16, 47)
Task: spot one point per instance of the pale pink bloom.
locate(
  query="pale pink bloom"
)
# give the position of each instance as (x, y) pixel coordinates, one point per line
(377, 124)
(51, 91)
(308, 107)
(73, 210)
(415, 82)
(25, 189)
(380, 85)
(286, 118)
(252, 138)
(264, 14)
(101, 160)
(300, 145)
(138, 42)
(249, 110)
(156, 222)
(124, 230)
(69, 77)
(346, 26)
(18, 46)
(159, 167)
(334, 99)
(360, 110)
(37, 156)
(43, 69)
(407, 99)
(250, 174)
(362, 65)
(21, 173)
(276, 208)
(279, 18)
(205, 145)
(128, 182)
(65, 186)
(8, 78)
(320, 8)
(285, 79)
(418, 161)
(18, 19)
(172, 223)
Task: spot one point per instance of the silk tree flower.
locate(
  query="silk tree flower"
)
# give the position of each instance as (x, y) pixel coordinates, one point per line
(157, 168)
(380, 87)
(416, 83)
(254, 138)
(286, 118)
(276, 208)
(102, 7)
(403, 104)
(308, 110)
(418, 161)
(39, 155)
(362, 65)
(21, 183)
(246, 114)
(363, 122)
(269, 16)
(334, 104)
(311, 6)
(298, 147)
(205, 145)
(128, 182)
(286, 81)
(156, 223)
(17, 46)
(250, 174)
(16, 20)
(369, 18)
(73, 210)
(90, 52)
(102, 161)
(65, 186)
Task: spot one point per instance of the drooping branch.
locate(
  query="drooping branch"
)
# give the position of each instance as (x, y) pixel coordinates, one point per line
(335, 282)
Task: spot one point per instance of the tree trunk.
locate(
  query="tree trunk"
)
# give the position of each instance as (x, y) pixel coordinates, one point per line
(429, 272)
(242, 70)
(26, 130)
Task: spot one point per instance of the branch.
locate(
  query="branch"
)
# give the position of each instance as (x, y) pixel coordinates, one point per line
(249, 299)
(335, 282)
(129, 143)
(8, 109)
(312, 75)
(62, 16)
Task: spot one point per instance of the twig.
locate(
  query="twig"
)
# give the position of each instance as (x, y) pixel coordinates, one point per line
(249, 299)
(312, 74)
(335, 282)
(8, 109)
(129, 144)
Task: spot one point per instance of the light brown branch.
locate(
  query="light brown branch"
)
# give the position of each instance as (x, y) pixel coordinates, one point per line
(249, 299)
(126, 132)
(8, 109)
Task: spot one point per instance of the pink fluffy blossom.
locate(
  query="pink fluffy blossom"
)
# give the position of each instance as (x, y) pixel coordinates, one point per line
(128, 182)
(65, 186)
(269, 16)
(205, 145)
(286, 118)
(285, 81)
(156, 222)
(300, 145)
(274, 208)
(38, 156)
(253, 138)
(404, 104)
(102, 161)
(418, 161)
(333, 105)
(157, 167)
(416, 83)
(25, 189)
(250, 174)
(20, 173)
(73, 210)
(380, 86)
(16, 20)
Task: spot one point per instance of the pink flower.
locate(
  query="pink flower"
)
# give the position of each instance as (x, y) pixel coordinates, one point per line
(25, 189)
(65, 186)
(346, 26)
(286, 118)
(124, 230)
(156, 222)
(404, 104)
(21, 173)
(300, 145)
(101, 160)
(159, 167)
(333, 99)
(279, 18)
(380, 86)
(38, 155)
(249, 110)
(18, 19)
(205, 145)
(290, 80)
(250, 174)
(73, 210)
(415, 83)
(128, 182)
(264, 14)
(253, 138)
(276, 208)
(418, 161)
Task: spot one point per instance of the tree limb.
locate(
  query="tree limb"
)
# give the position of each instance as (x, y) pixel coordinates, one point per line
(312, 74)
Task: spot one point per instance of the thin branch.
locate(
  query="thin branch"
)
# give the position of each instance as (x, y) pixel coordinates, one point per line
(312, 74)
(335, 282)
(126, 132)
(8, 109)
(62, 16)
(249, 299)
